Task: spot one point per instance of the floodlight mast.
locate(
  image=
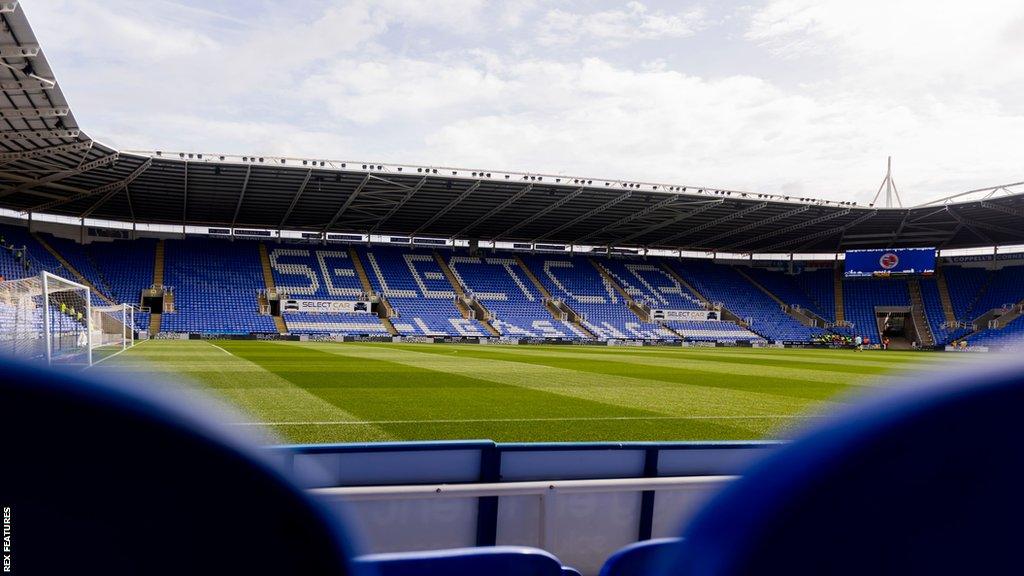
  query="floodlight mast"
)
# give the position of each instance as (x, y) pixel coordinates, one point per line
(889, 185)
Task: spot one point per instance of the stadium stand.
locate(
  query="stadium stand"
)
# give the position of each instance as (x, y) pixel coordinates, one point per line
(18, 238)
(722, 283)
(1003, 290)
(788, 289)
(503, 289)
(328, 274)
(576, 281)
(936, 317)
(861, 296)
(819, 286)
(415, 286)
(216, 283)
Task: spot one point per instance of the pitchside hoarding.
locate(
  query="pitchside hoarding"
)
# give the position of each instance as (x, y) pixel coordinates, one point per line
(685, 315)
(894, 261)
(326, 306)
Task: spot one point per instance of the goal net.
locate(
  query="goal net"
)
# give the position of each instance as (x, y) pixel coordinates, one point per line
(50, 319)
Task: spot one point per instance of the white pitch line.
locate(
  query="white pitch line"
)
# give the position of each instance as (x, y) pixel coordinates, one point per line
(105, 358)
(476, 420)
(218, 348)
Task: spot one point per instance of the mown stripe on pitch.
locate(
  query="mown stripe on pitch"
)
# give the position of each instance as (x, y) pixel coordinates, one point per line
(732, 377)
(630, 392)
(743, 366)
(198, 370)
(376, 387)
(885, 360)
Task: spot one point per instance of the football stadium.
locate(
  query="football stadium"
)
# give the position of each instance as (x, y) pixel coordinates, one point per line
(378, 368)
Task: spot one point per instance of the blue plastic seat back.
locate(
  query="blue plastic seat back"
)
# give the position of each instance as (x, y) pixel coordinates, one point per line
(103, 480)
(646, 557)
(925, 480)
(487, 561)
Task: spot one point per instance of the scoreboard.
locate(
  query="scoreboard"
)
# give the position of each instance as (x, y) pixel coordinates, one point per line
(892, 261)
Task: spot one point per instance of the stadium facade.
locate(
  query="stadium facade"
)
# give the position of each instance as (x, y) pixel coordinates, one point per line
(439, 252)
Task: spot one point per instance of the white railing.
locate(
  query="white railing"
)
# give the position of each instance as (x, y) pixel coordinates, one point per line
(557, 520)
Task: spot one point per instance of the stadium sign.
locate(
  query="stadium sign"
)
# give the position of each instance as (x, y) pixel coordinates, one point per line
(686, 315)
(326, 306)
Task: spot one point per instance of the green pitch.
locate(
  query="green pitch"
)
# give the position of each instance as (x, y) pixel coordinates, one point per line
(331, 392)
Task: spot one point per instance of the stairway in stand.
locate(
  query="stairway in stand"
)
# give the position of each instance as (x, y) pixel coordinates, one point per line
(837, 287)
(464, 302)
(923, 329)
(268, 281)
(556, 312)
(158, 281)
(947, 302)
(364, 281)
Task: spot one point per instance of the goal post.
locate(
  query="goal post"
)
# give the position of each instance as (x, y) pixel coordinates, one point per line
(113, 327)
(67, 315)
(47, 318)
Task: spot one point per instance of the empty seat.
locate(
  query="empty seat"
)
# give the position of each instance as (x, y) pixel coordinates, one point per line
(921, 480)
(484, 561)
(646, 557)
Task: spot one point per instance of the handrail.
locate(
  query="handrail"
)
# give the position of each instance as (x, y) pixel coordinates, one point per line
(534, 488)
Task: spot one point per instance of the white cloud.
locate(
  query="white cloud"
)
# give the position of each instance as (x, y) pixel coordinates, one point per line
(530, 85)
(617, 27)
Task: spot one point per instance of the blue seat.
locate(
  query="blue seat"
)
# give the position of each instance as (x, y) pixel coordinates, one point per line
(921, 480)
(105, 480)
(485, 561)
(646, 557)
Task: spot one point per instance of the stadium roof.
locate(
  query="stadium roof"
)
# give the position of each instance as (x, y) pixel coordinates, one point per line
(48, 166)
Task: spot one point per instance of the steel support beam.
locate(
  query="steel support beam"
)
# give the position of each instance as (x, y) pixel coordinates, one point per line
(788, 229)
(19, 50)
(184, 199)
(398, 206)
(540, 213)
(638, 214)
(34, 113)
(823, 234)
(704, 207)
(508, 202)
(757, 224)
(348, 202)
(18, 135)
(295, 199)
(45, 152)
(29, 84)
(972, 224)
(455, 201)
(241, 196)
(589, 214)
(713, 223)
(97, 163)
(95, 191)
(1011, 210)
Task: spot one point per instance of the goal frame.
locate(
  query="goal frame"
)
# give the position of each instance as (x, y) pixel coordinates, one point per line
(45, 280)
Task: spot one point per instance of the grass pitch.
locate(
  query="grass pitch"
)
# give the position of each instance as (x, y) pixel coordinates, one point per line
(333, 392)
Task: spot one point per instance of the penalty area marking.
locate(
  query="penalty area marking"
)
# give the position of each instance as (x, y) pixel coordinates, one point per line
(477, 420)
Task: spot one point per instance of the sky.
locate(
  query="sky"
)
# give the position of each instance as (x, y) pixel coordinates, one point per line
(799, 97)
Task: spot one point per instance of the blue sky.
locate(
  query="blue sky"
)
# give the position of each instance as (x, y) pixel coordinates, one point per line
(794, 96)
